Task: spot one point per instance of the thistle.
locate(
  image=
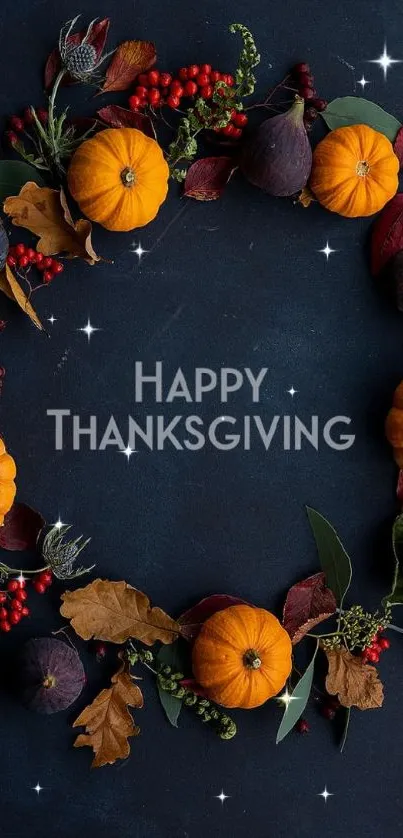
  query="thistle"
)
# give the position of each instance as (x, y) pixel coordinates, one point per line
(80, 60)
(60, 555)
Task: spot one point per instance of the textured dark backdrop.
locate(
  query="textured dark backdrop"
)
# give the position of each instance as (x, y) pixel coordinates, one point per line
(238, 282)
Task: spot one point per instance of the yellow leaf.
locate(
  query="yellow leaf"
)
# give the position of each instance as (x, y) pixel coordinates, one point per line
(45, 213)
(12, 289)
(114, 611)
(356, 683)
(108, 722)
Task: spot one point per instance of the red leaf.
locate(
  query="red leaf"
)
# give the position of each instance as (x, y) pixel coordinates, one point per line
(118, 117)
(387, 234)
(191, 684)
(207, 178)
(398, 146)
(130, 59)
(97, 39)
(193, 619)
(399, 487)
(22, 526)
(308, 603)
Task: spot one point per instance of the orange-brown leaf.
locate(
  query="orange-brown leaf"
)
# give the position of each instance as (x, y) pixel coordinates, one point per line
(12, 289)
(130, 59)
(114, 611)
(108, 722)
(45, 213)
(306, 197)
(356, 683)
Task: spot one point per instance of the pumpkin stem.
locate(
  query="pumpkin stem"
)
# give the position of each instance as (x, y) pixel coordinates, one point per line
(251, 659)
(49, 681)
(362, 168)
(128, 177)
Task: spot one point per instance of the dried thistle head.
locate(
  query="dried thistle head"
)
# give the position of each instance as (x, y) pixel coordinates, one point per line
(60, 555)
(81, 60)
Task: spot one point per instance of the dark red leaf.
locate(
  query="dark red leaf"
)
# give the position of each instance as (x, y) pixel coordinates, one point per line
(52, 68)
(308, 603)
(207, 178)
(191, 684)
(130, 59)
(22, 526)
(398, 146)
(387, 234)
(98, 36)
(118, 117)
(82, 124)
(97, 39)
(193, 619)
(399, 487)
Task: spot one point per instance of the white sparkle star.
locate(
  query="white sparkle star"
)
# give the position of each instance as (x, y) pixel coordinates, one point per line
(385, 61)
(363, 81)
(286, 698)
(327, 250)
(88, 329)
(138, 250)
(38, 788)
(325, 794)
(127, 451)
(59, 524)
(21, 578)
(52, 319)
(292, 392)
(222, 796)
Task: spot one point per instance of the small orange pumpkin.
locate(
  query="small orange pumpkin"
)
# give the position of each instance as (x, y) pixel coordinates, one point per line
(354, 171)
(242, 656)
(119, 178)
(394, 425)
(7, 485)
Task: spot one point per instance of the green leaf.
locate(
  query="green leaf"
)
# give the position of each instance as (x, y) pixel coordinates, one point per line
(396, 595)
(352, 110)
(172, 655)
(299, 700)
(334, 560)
(14, 175)
(346, 728)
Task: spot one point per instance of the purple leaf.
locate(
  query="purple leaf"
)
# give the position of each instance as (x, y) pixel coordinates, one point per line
(22, 526)
(118, 117)
(207, 178)
(193, 619)
(308, 603)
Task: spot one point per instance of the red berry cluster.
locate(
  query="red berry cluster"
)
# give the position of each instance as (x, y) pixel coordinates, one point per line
(302, 726)
(329, 707)
(18, 124)
(20, 256)
(304, 82)
(372, 653)
(158, 88)
(13, 600)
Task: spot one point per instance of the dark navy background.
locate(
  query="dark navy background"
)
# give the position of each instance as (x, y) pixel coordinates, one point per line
(238, 282)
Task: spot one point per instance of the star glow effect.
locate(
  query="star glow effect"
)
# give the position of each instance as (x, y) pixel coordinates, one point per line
(52, 320)
(138, 250)
(385, 61)
(327, 250)
(59, 524)
(222, 796)
(292, 392)
(325, 794)
(127, 452)
(363, 81)
(21, 578)
(286, 698)
(89, 330)
(38, 788)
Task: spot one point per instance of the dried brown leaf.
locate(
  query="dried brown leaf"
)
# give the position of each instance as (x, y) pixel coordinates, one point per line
(306, 197)
(45, 213)
(12, 289)
(130, 59)
(356, 683)
(108, 722)
(114, 611)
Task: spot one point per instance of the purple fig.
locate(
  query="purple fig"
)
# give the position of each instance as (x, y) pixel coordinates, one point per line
(51, 673)
(278, 156)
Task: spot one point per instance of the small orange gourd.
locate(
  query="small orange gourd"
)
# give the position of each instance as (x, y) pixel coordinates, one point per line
(7, 485)
(119, 178)
(354, 171)
(242, 656)
(394, 425)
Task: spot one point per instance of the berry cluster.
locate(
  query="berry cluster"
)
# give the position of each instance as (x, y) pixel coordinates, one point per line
(304, 82)
(372, 653)
(20, 256)
(13, 600)
(19, 124)
(157, 88)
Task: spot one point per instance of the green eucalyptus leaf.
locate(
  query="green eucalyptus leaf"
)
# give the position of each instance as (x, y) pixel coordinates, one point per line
(14, 174)
(352, 110)
(396, 595)
(173, 656)
(299, 700)
(334, 560)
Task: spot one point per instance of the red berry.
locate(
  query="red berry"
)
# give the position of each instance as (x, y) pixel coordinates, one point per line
(307, 93)
(46, 577)
(39, 258)
(206, 92)
(25, 611)
(192, 71)
(11, 261)
(384, 643)
(20, 249)
(173, 101)
(23, 262)
(154, 96)
(22, 583)
(39, 587)
(165, 79)
(328, 712)
(229, 80)
(16, 605)
(237, 133)
(306, 80)
(47, 262)
(42, 115)
(142, 79)
(220, 91)
(17, 124)
(205, 68)
(11, 137)
(30, 253)
(319, 104)
(14, 617)
(373, 656)
(100, 650)
(302, 726)
(228, 130)
(183, 73)
(153, 78)
(5, 625)
(301, 68)
(28, 117)
(134, 102)
(21, 595)
(202, 79)
(240, 120)
(190, 88)
(48, 276)
(3, 597)
(3, 614)
(141, 91)
(214, 76)
(176, 88)
(57, 267)
(12, 585)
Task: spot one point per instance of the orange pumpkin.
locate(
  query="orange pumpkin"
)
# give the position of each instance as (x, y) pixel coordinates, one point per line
(354, 171)
(242, 656)
(7, 485)
(119, 178)
(394, 425)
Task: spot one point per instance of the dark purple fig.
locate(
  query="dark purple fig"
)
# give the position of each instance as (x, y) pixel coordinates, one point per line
(278, 156)
(52, 675)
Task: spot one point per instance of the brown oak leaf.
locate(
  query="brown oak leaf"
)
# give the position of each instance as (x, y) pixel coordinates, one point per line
(130, 59)
(307, 604)
(114, 611)
(356, 683)
(108, 722)
(45, 213)
(12, 289)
